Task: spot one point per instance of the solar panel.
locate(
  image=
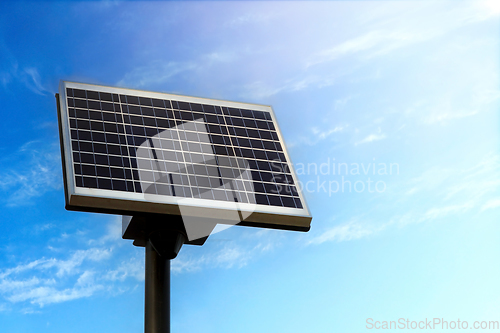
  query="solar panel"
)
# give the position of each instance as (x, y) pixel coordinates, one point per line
(128, 151)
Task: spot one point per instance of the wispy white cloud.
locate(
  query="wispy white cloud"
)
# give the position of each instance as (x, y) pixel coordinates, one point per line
(440, 212)
(443, 117)
(251, 18)
(130, 268)
(340, 103)
(42, 227)
(32, 80)
(486, 9)
(113, 232)
(371, 138)
(351, 230)
(29, 76)
(82, 273)
(491, 204)
(449, 193)
(47, 295)
(456, 191)
(321, 135)
(445, 108)
(155, 73)
(227, 254)
(378, 37)
(7, 285)
(379, 42)
(44, 291)
(70, 266)
(389, 34)
(36, 171)
(62, 267)
(384, 35)
(317, 135)
(219, 57)
(226, 257)
(469, 184)
(164, 71)
(260, 89)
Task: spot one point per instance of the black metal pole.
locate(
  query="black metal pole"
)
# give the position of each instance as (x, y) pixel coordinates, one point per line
(161, 247)
(157, 292)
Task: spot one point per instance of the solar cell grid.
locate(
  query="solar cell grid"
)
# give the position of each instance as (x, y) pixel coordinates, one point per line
(176, 148)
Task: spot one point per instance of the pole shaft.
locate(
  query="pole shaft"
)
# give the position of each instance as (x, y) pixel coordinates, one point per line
(157, 292)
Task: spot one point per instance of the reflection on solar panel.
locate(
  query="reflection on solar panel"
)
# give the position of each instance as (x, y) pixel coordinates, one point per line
(128, 151)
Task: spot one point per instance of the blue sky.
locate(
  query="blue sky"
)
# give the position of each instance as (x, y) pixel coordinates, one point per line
(370, 84)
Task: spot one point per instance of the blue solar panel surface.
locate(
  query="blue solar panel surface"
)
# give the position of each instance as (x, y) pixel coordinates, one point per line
(175, 148)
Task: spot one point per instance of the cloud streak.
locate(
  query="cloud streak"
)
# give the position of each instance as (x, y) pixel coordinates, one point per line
(449, 193)
(42, 291)
(379, 42)
(226, 254)
(38, 171)
(491, 204)
(318, 135)
(11, 72)
(351, 230)
(371, 138)
(227, 257)
(156, 73)
(84, 273)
